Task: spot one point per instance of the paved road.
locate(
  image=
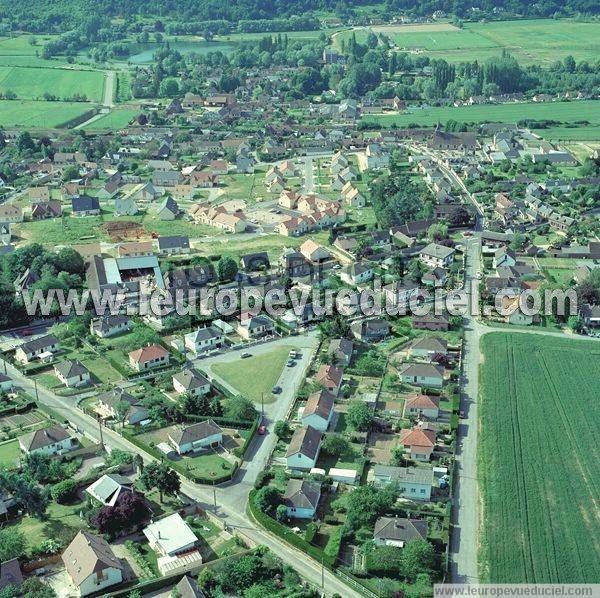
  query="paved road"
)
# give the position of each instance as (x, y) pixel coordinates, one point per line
(465, 531)
(309, 175)
(229, 508)
(108, 100)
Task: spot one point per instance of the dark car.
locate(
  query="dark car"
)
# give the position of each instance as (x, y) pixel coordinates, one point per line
(276, 390)
(245, 355)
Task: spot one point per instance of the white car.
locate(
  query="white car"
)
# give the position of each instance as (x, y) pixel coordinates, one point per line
(478, 275)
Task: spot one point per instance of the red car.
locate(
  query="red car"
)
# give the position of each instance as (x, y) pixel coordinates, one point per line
(262, 430)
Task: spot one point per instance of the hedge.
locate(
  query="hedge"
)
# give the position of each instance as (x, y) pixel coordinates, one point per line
(332, 549)
(285, 533)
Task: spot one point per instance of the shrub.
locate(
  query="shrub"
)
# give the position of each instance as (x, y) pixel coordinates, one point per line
(332, 549)
(64, 491)
(311, 531)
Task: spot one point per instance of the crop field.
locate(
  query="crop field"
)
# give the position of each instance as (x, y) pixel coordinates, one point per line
(586, 133)
(18, 51)
(559, 111)
(30, 83)
(117, 119)
(28, 113)
(539, 457)
(531, 41)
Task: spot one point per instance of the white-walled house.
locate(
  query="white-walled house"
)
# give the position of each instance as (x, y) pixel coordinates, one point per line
(304, 448)
(318, 410)
(72, 373)
(149, 357)
(437, 256)
(91, 564)
(49, 441)
(186, 439)
(204, 339)
(191, 381)
(412, 482)
(35, 348)
(301, 498)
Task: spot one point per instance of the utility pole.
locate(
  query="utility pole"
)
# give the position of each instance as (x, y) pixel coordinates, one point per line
(215, 495)
(4, 361)
(100, 428)
(36, 389)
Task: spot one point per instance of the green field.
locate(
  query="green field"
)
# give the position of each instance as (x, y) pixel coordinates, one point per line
(560, 111)
(591, 133)
(538, 459)
(117, 119)
(32, 83)
(254, 376)
(18, 51)
(24, 113)
(531, 41)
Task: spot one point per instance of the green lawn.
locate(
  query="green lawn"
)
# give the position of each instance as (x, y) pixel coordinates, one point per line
(117, 119)
(255, 376)
(26, 113)
(587, 133)
(31, 83)
(538, 459)
(60, 231)
(9, 453)
(560, 111)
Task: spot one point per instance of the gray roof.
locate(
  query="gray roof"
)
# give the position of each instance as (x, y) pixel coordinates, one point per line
(39, 343)
(45, 437)
(400, 529)
(204, 334)
(190, 379)
(431, 343)
(110, 321)
(341, 345)
(407, 475)
(188, 434)
(438, 251)
(85, 203)
(188, 588)
(70, 368)
(305, 441)
(422, 369)
(175, 241)
(302, 494)
(10, 573)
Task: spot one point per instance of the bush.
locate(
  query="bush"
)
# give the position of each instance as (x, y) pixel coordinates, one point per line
(332, 549)
(311, 531)
(64, 491)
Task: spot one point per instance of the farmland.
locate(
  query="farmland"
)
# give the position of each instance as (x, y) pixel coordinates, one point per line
(541, 522)
(559, 111)
(40, 114)
(532, 41)
(32, 83)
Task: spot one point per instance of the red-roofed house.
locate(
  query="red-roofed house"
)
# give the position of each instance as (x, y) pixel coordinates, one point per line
(330, 377)
(422, 405)
(420, 442)
(146, 358)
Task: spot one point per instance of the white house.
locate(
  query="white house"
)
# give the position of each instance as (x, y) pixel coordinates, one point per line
(412, 482)
(424, 405)
(428, 346)
(318, 410)
(437, 256)
(91, 564)
(397, 531)
(202, 435)
(304, 449)
(422, 374)
(72, 373)
(149, 357)
(37, 348)
(49, 441)
(255, 326)
(204, 339)
(110, 325)
(107, 489)
(357, 273)
(191, 381)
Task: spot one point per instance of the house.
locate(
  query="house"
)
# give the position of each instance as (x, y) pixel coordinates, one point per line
(10, 574)
(6, 383)
(10, 212)
(125, 205)
(422, 374)
(41, 193)
(294, 264)
(301, 498)
(149, 357)
(398, 531)
(204, 339)
(107, 489)
(304, 448)
(91, 564)
(84, 205)
(352, 196)
(42, 210)
(370, 331)
(72, 373)
(188, 588)
(504, 257)
(357, 273)
(194, 437)
(49, 441)
(167, 209)
(412, 482)
(39, 348)
(110, 325)
(192, 382)
(590, 315)
(431, 322)
(419, 441)
(183, 192)
(435, 278)
(437, 256)
(400, 294)
(424, 405)
(428, 346)
(318, 410)
(166, 178)
(314, 252)
(288, 199)
(109, 405)
(254, 262)
(341, 350)
(255, 326)
(135, 248)
(330, 377)
(174, 245)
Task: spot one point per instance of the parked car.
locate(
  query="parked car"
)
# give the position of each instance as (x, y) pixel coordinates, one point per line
(291, 363)
(245, 354)
(262, 429)
(276, 390)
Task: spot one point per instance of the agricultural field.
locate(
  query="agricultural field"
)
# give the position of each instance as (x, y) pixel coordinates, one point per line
(560, 111)
(541, 41)
(33, 114)
(31, 83)
(113, 121)
(539, 483)
(591, 133)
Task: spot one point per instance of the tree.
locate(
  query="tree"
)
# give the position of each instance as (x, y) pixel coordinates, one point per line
(267, 498)
(281, 513)
(70, 173)
(281, 429)
(130, 512)
(335, 444)
(359, 415)
(365, 503)
(12, 543)
(27, 493)
(240, 408)
(418, 556)
(227, 268)
(64, 491)
(35, 588)
(138, 463)
(162, 477)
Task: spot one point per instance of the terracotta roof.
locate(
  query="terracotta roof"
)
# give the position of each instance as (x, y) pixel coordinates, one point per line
(329, 374)
(305, 441)
(319, 403)
(149, 353)
(422, 402)
(417, 437)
